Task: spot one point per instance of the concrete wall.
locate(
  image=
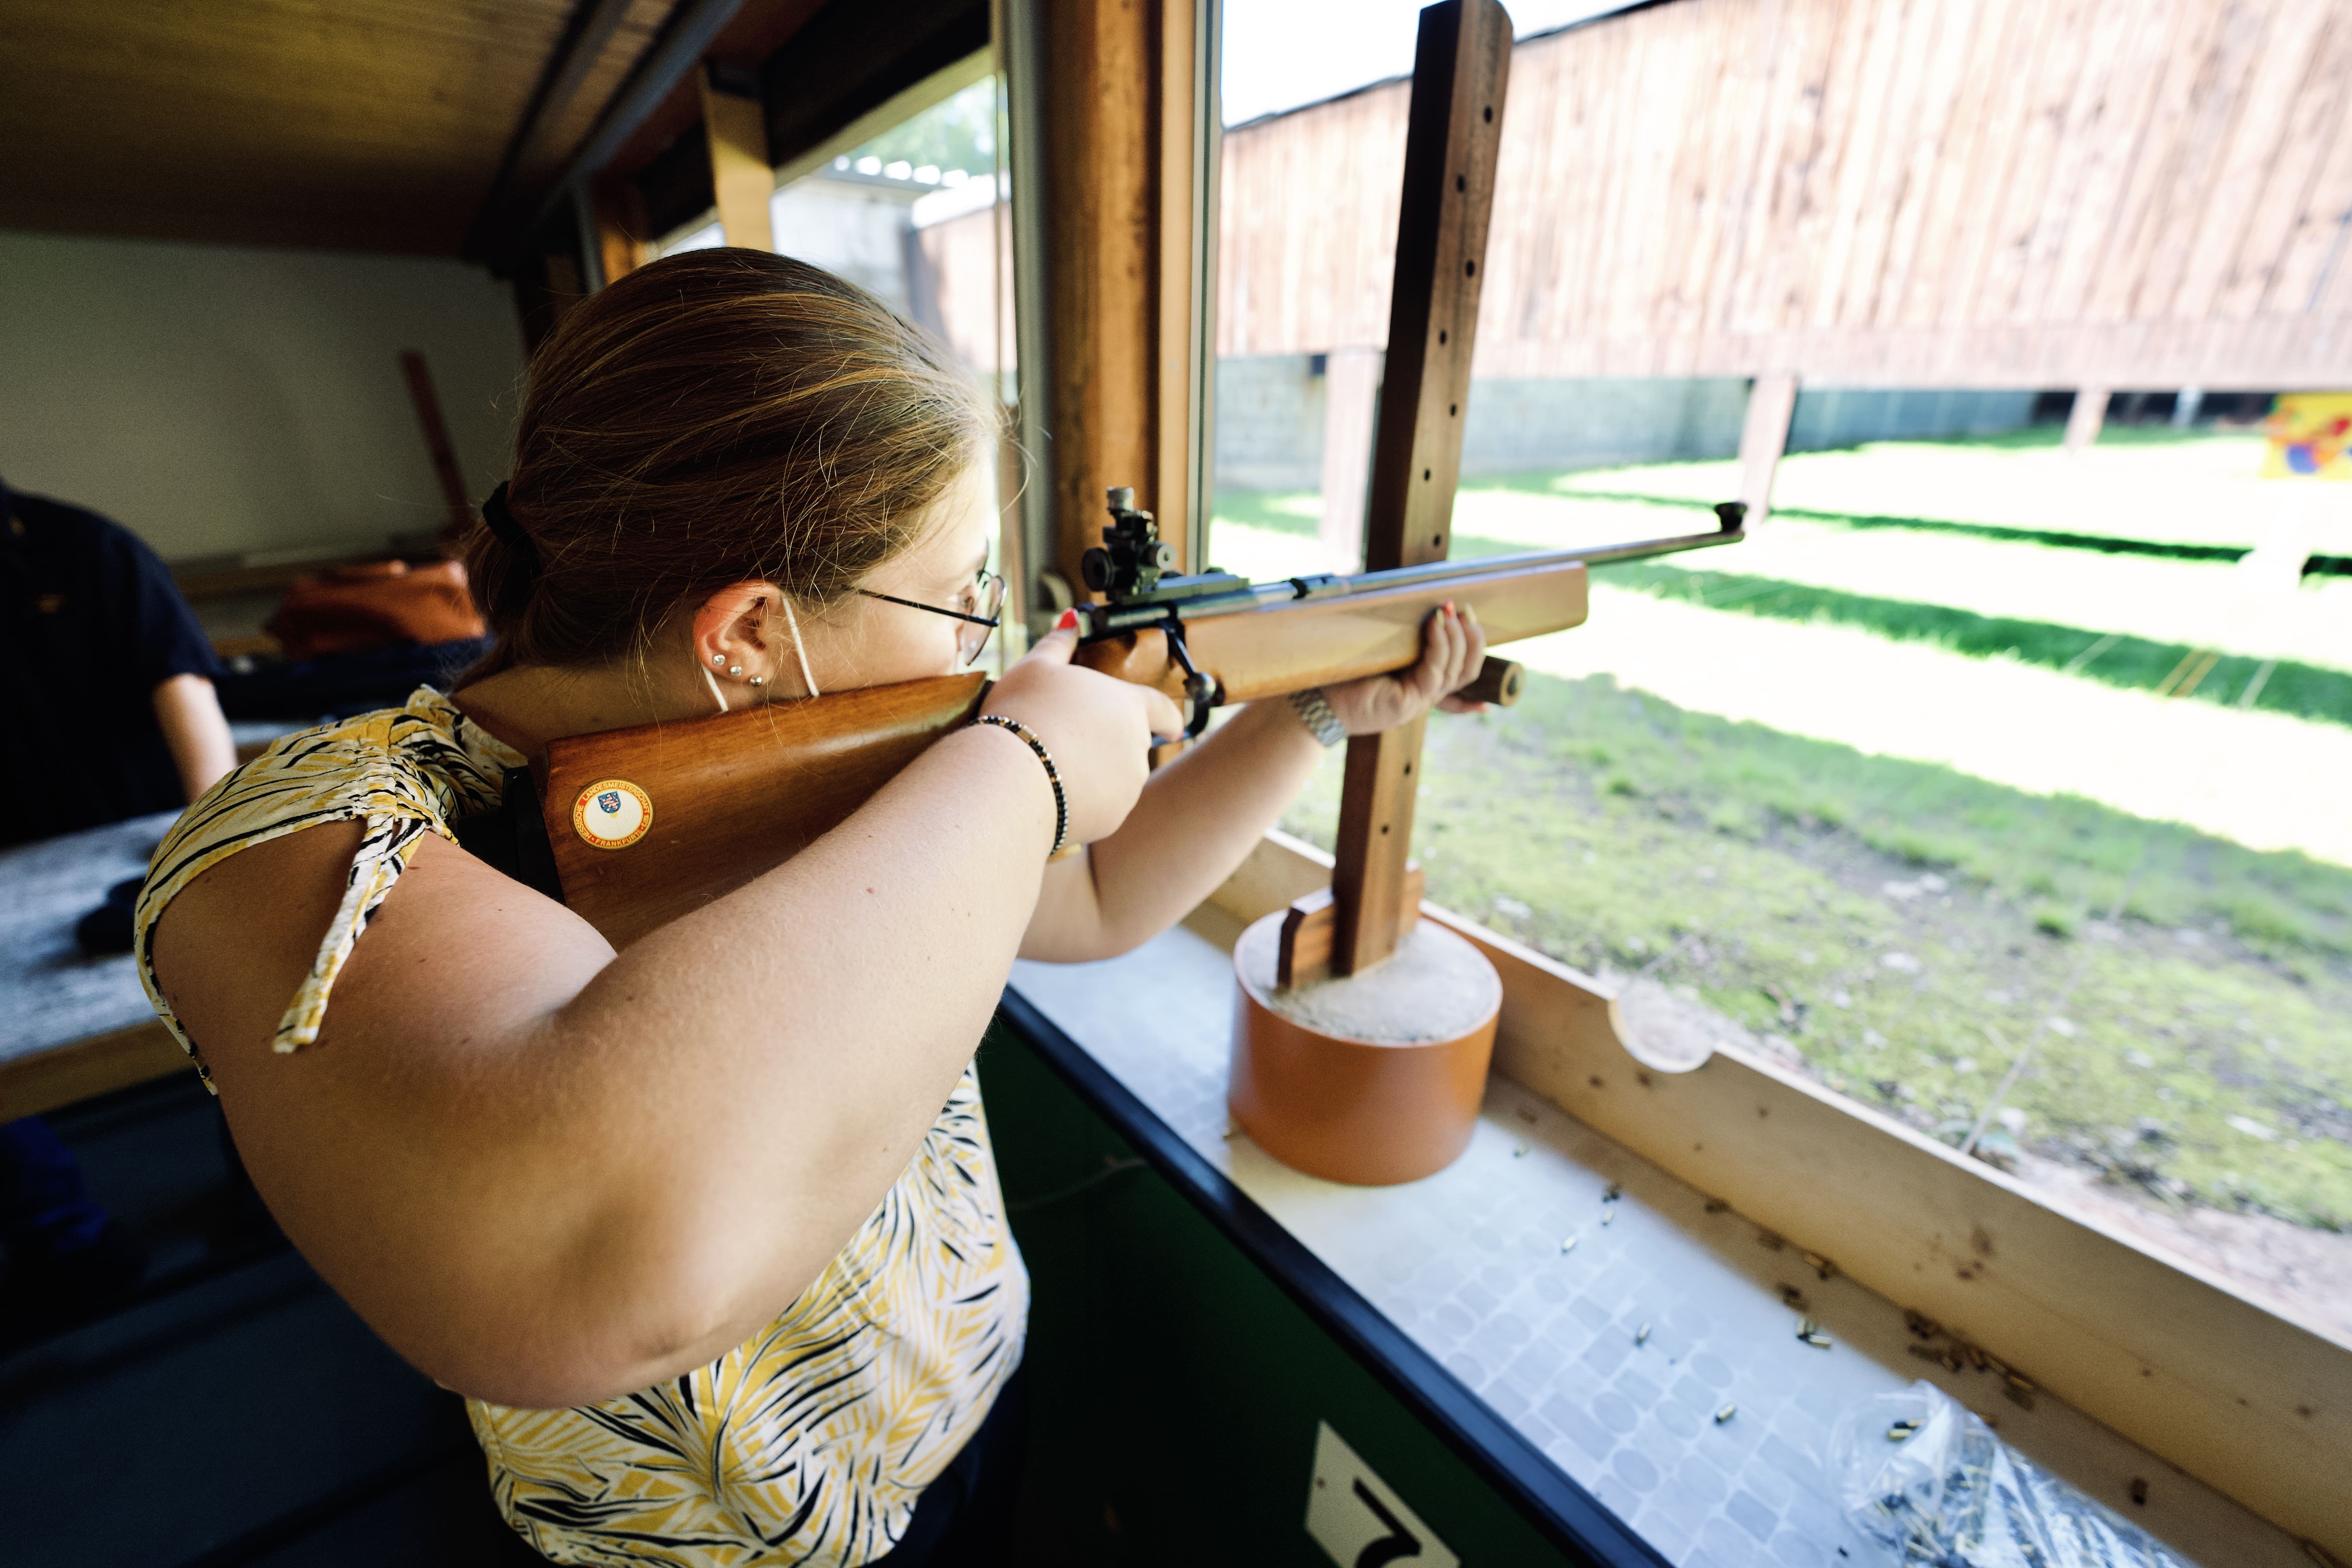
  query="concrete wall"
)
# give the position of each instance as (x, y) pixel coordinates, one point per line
(1522, 426)
(1269, 423)
(220, 400)
(854, 228)
(1829, 417)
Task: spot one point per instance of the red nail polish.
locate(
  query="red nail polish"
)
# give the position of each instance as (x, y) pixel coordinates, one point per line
(1069, 618)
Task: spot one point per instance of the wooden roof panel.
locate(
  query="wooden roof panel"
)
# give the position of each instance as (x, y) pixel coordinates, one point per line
(323, 123)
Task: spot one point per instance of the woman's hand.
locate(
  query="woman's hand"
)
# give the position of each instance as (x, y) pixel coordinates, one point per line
(1453, 647)
(1100, 729)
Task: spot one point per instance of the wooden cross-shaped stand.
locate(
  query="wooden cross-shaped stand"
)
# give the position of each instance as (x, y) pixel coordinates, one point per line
(1451, 137)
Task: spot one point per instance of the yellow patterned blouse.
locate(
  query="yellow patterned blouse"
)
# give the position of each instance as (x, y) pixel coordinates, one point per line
(808, 1442)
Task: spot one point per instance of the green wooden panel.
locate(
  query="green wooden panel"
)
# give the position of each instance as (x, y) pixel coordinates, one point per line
(1175, 1388)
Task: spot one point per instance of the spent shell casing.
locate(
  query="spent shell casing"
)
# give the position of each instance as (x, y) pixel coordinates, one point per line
(1612, 1192)
(1642, 1335)
(2018, 1380)
(1820, 1264)
(1608, 1215)
(1726, 1413)
(1819, 1340)
(1519, 1152)
(1717, 1205)
(1900, 1430)
(1567, 1246)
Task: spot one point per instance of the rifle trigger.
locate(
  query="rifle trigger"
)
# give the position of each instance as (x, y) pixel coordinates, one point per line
(1197, 686)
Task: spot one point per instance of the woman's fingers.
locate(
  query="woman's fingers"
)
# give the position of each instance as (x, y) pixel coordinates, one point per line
(1166, 720)
(1057, 646)
(1474, 650)
(1453, 650)
(1441, 650)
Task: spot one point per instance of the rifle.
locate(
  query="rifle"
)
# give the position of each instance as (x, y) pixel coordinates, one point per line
(647, 824)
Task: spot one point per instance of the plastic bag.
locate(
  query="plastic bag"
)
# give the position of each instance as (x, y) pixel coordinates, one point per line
(1954, 1494)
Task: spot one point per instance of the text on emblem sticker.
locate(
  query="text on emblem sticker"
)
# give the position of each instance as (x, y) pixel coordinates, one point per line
(612, 814)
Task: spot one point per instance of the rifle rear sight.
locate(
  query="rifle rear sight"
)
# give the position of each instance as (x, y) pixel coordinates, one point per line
(1131, 558)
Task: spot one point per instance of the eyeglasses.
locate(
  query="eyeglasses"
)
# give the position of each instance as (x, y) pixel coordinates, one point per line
(976, 605)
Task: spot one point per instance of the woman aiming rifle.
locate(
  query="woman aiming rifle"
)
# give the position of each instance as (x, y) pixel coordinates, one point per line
(722, 1281)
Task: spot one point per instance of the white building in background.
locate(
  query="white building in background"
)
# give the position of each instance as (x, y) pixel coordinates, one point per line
(854, 225)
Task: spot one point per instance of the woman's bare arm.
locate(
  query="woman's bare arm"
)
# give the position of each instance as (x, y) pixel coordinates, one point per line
(1201, 813)
(549, 1174)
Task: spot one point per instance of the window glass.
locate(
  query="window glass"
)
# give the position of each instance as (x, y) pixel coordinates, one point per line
(913, 217)
(1996, 781)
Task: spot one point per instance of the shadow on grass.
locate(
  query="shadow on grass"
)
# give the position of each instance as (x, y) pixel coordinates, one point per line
(2178, 669)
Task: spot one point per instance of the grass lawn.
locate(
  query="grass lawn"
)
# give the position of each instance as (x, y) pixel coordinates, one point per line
(1906, 928)
(1958, 774)
(2114, 659)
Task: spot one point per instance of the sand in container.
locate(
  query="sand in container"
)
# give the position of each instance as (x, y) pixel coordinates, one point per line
(1372, 1079)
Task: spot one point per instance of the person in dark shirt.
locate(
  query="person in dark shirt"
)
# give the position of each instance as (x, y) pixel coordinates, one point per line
(108, 711)
(106, 679)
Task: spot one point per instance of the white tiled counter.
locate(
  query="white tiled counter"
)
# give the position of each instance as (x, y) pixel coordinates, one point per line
(1475, 1264)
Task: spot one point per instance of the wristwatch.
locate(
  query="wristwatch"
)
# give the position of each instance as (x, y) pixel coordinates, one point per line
(1317, 715)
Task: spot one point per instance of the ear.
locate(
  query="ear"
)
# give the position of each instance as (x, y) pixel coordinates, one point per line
(731, 628)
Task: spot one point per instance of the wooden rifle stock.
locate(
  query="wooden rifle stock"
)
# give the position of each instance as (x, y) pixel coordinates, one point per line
(730, 796)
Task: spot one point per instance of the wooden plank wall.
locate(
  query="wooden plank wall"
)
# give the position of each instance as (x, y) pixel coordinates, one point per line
(1894, 193)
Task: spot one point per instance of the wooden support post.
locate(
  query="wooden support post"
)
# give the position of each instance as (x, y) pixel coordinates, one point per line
(1121, 112)
(735, 125)
(621, 239)
(2089, 413)
(1461, 65)
(1772, 404)
(1351, 393)
(459, 505)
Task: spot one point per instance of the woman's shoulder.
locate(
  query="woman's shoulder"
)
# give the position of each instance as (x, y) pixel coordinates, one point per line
(405, 773)
(423, 761)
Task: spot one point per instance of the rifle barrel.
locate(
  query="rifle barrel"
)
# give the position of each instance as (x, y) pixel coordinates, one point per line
(1264, 639)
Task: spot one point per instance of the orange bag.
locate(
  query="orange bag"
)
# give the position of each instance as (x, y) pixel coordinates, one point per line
(348, 609)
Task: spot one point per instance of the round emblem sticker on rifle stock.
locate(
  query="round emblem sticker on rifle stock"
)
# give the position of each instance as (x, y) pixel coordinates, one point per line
(612, 814)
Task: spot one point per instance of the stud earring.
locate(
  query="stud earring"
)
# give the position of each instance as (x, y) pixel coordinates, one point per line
(734, 670)
(759, 680)
(718, 659)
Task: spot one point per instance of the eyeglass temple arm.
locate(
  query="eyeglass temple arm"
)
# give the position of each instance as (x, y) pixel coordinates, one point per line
(918, 604)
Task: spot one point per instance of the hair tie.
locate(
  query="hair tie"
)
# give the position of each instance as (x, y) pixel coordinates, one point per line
(509, 533)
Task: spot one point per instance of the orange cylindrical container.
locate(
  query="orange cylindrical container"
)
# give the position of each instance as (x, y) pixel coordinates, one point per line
(1373, 1087)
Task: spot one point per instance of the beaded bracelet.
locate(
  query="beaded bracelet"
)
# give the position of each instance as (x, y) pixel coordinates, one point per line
(1314, 712)
(1053, 774)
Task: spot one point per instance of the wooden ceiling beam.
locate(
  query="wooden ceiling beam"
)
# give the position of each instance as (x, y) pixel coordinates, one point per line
(735, 128)
(592, 25)
(669, 66)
